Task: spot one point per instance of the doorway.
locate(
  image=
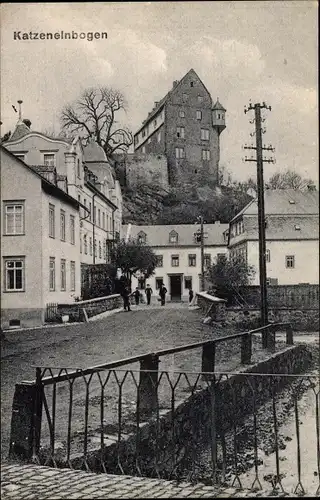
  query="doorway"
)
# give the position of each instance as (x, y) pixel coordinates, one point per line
(175, 287)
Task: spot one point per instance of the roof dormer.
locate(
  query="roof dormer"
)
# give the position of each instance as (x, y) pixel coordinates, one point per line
(173, 236)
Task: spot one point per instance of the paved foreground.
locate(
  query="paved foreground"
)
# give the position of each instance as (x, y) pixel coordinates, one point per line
(26, 482)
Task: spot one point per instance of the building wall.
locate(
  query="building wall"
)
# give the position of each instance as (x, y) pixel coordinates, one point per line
(183, 269)
(55, 247)
(306, 255)
(146, 169)
(17, 183)
(148, 130)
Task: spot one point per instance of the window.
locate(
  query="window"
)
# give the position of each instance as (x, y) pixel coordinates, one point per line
(159, 283)
(221, 256)
(49, 159)
(63, 274)
(206, 154)
(90, 212)
(181, 113)
(80, 243)
(94, 215)
(104, 250)
(188, 282)
(155, 123)
(78, 169)
(149, 140)
(103, 220)
(173, 237)
(199, 115)
(21, 157)
(192, 260)
(143, 133)
(175, 260)
(207, 260)
(159, 260)
(180, 132)
(52, 274)
(51, 221)
(100, 250)
(14, 274)
(90, 245)
(179, 152)
(99, 218)
(14, 217)
(142, 237)
(159, 137)
(204, 134)
(95, 250)
(72, 276)
(85, 244)
(191, 84)
(290, 261)
(143, 149)
(267, 255)
(200, 98)
(62, 225)
(72, 229)
(185, 97)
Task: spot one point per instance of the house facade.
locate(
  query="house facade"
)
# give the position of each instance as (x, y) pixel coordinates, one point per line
(179, 255)
(86, 175)
(40, 250)
(185, 126)
(292, 237)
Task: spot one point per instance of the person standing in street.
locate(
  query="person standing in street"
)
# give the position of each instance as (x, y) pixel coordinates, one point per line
(126, 298)
(136, 294)
(149, 292)
(162, 293)
(190, 295)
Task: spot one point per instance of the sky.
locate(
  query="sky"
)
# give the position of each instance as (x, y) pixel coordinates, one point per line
(243, 51)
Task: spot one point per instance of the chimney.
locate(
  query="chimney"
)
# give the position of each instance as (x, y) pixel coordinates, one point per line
(156, 103)
(175, 83)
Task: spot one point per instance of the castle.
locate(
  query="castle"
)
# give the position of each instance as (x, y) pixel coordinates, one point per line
(184, 128)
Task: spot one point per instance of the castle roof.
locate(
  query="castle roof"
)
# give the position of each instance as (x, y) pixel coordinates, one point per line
(218, 106)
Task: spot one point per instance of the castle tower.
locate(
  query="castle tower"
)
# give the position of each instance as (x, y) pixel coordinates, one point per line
(219, 117)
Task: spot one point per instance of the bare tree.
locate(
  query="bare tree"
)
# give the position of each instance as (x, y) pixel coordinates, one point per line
(290, 180)
(93, 115)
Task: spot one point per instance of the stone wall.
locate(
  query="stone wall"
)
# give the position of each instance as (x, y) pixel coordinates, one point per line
(137, 169)
(75, 311)
(293, 296)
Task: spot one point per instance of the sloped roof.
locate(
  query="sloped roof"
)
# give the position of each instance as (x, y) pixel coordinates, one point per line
(94, 152)
(219, 106)
(165, 98)
(158, 235)
(284, 202)
(20, 131)
(294, 227)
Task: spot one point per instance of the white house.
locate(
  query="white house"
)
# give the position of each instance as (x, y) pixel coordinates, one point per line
(40, 250)
(85, 174)
(179, 255)
(292, 236)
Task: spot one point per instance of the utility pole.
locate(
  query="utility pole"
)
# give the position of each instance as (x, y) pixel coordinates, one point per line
(261, 212)
(200, 239)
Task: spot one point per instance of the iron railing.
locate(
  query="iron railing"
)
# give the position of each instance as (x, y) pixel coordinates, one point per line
(170, 424)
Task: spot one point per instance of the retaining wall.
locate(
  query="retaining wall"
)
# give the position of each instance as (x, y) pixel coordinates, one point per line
(92, 307)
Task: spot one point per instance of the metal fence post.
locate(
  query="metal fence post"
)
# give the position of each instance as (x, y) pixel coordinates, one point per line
(148, 383)
(289, 335)
(246, 349)
(37, 413)
(208, 358)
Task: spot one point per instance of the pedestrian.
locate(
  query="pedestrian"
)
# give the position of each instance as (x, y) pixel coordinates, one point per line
(162, 293)
(126, 298)
(148, 292)
(190, 295)
(136, 294)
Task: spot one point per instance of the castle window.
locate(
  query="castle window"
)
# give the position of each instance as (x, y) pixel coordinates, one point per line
(149, 140)
(143, 133)
(219, 116)
(206, 154)
(155, 123)
(204, 134)
(179, 153)
(159, 137)
(191, 84)
(143, 149)
(199, 115)
(181, 114)
(180, 132)
(184, 97)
